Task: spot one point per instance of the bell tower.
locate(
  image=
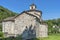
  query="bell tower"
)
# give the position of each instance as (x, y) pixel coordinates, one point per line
(32, 7)
(34, 11)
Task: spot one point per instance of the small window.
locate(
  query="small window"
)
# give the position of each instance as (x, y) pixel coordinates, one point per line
(26, 26)
(32, 7)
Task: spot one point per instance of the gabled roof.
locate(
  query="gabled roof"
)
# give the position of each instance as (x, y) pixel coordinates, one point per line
(12, 18)
(9, 19)
(28, 11)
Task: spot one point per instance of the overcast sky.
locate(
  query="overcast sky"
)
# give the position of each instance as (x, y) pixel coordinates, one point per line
(50, 8)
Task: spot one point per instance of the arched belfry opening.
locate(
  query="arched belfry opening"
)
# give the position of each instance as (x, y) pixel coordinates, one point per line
(32, 7)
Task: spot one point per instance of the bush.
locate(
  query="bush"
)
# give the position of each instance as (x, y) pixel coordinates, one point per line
(1, 34)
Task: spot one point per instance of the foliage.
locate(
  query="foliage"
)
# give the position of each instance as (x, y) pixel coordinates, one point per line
(4, 13)
(1, 34)
(0, 27)
(51, 23)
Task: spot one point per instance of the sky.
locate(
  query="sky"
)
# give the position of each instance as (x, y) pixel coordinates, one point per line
(50, 8)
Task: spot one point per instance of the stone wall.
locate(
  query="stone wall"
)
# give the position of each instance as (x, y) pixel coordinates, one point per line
(43, 30)
(22, 21)
(8, 28)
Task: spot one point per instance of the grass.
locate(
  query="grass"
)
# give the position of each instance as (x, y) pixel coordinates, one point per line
(51, 37)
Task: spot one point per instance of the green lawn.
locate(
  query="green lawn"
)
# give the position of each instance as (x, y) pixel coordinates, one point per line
(52, 37)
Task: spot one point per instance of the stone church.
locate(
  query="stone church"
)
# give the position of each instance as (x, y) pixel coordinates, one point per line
(28, 24)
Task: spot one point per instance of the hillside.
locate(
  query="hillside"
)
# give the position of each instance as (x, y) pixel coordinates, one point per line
(4, 13)
(53, 22)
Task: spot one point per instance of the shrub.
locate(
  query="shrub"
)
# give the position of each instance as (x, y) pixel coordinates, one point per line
(1, 34)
